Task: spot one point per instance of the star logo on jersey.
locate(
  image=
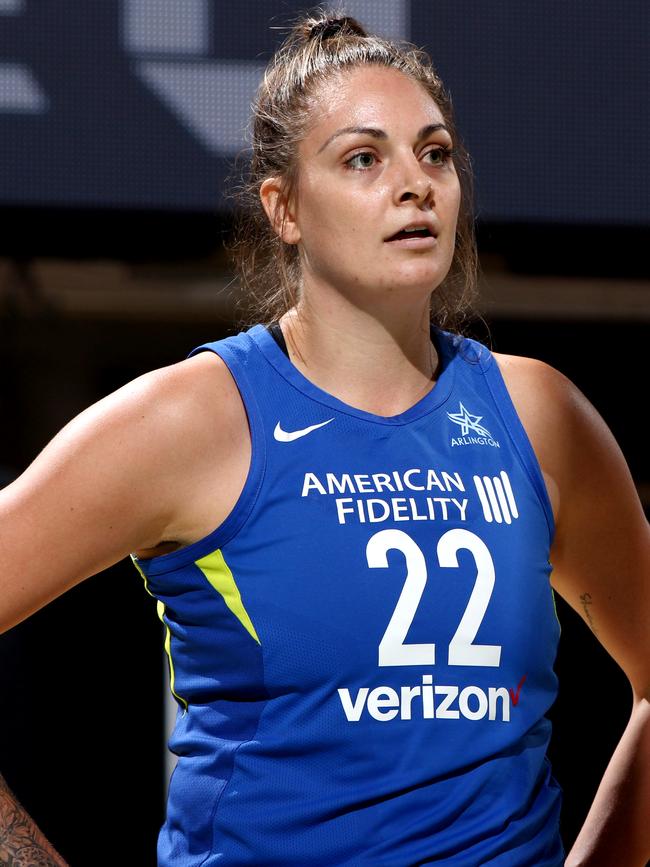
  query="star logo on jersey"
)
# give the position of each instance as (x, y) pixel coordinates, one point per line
(471, 432)
(468, 422)
(285, 436)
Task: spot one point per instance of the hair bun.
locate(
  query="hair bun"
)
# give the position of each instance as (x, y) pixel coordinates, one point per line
(330, 27)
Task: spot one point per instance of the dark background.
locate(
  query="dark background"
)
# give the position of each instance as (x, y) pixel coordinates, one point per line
(552, 100)
(132, 110)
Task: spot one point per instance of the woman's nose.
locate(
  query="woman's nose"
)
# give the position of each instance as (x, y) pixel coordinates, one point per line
(420, 191)
(413, 183)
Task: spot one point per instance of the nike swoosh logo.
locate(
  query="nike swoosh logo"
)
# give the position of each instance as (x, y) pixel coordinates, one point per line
(285, 436)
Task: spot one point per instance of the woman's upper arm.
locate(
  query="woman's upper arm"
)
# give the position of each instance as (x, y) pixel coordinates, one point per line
(113, 480)
(601, 550)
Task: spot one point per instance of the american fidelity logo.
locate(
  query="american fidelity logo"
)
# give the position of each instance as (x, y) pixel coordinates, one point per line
(467, 422)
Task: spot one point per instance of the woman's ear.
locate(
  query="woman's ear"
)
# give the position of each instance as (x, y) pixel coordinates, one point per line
(278, 210)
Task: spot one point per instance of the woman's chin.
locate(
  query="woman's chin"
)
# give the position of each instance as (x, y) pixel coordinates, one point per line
(417, 280)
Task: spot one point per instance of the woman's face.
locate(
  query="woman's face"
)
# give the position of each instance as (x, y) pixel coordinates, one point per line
(375, 163)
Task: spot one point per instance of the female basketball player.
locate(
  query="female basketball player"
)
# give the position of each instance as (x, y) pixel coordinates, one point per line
(362, 649)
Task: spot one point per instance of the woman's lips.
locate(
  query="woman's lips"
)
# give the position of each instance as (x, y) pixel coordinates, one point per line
(426, 242)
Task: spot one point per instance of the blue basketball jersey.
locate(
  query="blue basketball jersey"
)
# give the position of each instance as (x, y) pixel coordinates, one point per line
(362, 653)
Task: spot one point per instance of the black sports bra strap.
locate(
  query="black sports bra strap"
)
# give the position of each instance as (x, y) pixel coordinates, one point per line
(276, 333)
(278, 336)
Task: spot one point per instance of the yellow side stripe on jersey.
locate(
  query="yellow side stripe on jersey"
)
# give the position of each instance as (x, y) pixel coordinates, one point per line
(216, 571)
(160, 608)
(168, 648)
(142, 575)
(555, 608)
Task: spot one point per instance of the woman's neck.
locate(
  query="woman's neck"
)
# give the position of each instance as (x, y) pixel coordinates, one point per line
(382, 364)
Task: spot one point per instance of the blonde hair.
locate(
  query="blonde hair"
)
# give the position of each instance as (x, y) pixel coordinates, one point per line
(318, 47)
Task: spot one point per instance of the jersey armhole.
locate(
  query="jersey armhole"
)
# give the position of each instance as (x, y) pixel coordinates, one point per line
(518, 435)
(249, 493)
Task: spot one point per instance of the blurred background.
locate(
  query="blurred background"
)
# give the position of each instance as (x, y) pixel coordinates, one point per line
(120, 124)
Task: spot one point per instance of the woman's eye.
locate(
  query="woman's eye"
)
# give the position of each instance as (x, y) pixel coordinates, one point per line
(363, 160)
(439, 156)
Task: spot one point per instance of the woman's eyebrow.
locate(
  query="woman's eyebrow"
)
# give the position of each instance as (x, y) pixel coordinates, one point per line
(379, 133)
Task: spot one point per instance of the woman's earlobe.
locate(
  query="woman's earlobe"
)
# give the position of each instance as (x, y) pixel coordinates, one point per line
(274, 202)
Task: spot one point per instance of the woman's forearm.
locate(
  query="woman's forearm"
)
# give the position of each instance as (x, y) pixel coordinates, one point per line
(21, 842)
(617, 827)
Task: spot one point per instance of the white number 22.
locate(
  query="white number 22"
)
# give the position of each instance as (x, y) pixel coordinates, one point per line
(462, 650)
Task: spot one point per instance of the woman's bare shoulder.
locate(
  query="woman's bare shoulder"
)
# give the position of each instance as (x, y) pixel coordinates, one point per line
(552, 408)
(187, 414)
(160, 458)
(205, 428)
(194, 401)
(204, 376)
(540, 394)
(204, 383)
(521, 372)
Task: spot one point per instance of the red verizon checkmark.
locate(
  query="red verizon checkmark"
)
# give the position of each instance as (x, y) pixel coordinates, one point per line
(515, 695)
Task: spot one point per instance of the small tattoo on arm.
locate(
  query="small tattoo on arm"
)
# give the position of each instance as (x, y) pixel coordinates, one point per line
(586, 602)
